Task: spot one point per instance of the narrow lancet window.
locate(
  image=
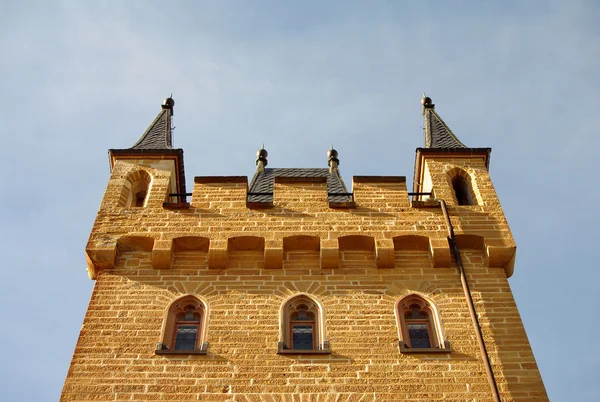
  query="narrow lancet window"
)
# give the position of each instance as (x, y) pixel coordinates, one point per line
(462, 191)
(417, 323)
(187, 330)
(303, 329)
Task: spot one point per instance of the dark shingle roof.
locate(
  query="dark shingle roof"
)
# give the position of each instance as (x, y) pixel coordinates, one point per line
(262, 183)
(437, 133)
(157, 140)
(158, 135)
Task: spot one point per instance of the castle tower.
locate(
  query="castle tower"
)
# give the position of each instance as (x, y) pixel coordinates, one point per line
(288, 287)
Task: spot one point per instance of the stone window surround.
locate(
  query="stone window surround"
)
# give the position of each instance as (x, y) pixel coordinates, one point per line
(285, 318)
(403, 305)
(166, 345)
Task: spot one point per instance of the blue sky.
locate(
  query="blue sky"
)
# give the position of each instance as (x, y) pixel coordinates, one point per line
(78, 78)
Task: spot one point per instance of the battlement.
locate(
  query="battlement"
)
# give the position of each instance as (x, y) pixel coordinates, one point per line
(220, 211)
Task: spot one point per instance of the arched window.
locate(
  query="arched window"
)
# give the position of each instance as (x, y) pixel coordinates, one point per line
(462, 191)
(136, 189)
(184, 328)
(302, 328)
(419, 326)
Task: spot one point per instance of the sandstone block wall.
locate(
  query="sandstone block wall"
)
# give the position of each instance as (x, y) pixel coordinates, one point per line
(244, 263)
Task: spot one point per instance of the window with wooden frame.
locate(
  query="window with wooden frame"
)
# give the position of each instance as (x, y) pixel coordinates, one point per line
(302, 328)
(419, 326)
(184, 328)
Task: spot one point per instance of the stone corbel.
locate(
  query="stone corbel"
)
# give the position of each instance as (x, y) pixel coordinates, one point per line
(503, 257)
(217, 254)
(162, 254)
(330, 254)
(440, 253)
(274, 254)
(100, 258)
(385, 253)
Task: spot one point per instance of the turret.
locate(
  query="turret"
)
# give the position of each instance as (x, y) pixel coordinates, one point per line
(459, 171)
(133, 167)
(448, 170)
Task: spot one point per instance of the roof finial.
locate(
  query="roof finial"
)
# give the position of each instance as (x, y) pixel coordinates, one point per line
(169, 103)
(437, 133)
(261, 159)
(332, 159)
(159, 135)
(427, 103)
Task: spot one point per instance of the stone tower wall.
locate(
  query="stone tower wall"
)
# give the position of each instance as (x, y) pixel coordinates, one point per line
(244, 263)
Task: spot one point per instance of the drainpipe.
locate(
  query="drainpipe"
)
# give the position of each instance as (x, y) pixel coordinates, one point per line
(465, 285)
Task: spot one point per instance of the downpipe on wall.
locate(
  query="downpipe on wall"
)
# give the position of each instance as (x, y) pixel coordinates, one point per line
(465, 285)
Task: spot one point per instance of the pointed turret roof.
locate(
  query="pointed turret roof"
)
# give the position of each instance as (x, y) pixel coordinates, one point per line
(158, 135)
(440, 140)
(437, 133)
(156, 142)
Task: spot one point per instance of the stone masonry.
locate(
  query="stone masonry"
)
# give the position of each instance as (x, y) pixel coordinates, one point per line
(244, 262)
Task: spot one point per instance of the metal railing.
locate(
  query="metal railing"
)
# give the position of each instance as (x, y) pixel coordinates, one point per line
(182, 196)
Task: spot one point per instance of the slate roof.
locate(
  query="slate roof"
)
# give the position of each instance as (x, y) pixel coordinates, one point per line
(437, 133)
(157, 140)
(262, 182)
(158, 134)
